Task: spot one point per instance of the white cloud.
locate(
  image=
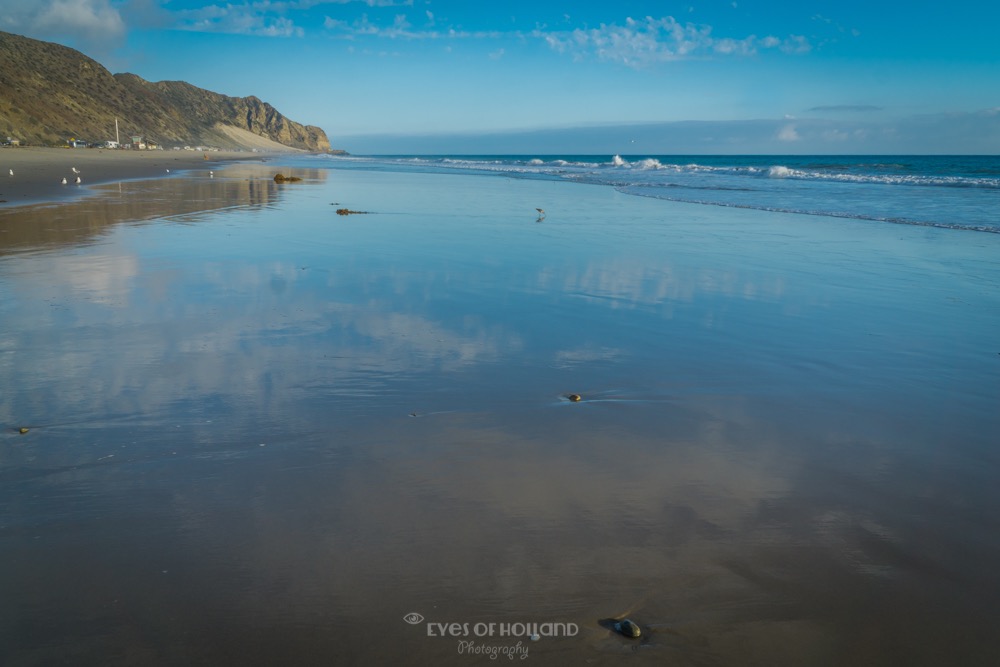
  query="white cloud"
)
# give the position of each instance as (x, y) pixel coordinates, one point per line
(95, 25)
(400, 28)
(637, 43)
(642, 42)
(795, 44)
(741, 47)
(788, 133)
(370, 3)
(262, 18)
(335, 24)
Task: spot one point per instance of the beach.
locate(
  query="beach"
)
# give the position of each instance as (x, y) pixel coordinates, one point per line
(38, 172)
(260, 432)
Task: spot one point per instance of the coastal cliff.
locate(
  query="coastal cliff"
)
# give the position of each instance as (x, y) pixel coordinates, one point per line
(50, 93)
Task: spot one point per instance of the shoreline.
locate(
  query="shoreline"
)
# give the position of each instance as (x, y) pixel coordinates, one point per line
(38, 172)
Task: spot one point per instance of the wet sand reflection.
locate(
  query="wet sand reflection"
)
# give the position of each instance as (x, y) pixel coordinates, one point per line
(222, 466)
(67, 223)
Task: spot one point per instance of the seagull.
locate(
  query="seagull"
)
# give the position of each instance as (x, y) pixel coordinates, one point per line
(168, 171)
(78, 180)
(75, 170)
(11, 172)
(541, 213)
(211, 174)
(64, 180)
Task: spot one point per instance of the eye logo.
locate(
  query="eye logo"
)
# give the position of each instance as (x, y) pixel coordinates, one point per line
(413, 618)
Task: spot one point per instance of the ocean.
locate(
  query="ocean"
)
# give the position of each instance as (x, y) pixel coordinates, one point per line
(953, 192)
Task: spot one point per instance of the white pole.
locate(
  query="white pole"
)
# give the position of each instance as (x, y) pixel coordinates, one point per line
(117, 140)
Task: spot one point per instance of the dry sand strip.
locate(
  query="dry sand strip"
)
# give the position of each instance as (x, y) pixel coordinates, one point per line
(38, 173)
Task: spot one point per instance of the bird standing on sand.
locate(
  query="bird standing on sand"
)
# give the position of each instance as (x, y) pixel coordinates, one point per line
(64, 180)
(11, 172)
(77, 180)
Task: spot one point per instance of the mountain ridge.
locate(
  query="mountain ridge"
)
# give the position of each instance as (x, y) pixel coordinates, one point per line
(50, 93)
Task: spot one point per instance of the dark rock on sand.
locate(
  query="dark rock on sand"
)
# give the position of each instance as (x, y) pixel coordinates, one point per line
(628, 628)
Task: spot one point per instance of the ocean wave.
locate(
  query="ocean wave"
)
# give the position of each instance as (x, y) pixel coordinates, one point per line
(649, 163)
(467, 161)
(871, 173)
(835, 173)
(779, 171)
(760, 182)
(561, 163)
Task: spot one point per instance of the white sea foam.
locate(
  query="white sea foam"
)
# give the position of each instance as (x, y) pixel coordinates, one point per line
(649, 163)
(778, 171)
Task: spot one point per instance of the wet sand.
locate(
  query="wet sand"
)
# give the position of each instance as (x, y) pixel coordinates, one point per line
(38, 172)
(266, 433)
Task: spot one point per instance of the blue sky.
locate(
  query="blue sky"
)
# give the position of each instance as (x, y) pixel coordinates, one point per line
(698, 76)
